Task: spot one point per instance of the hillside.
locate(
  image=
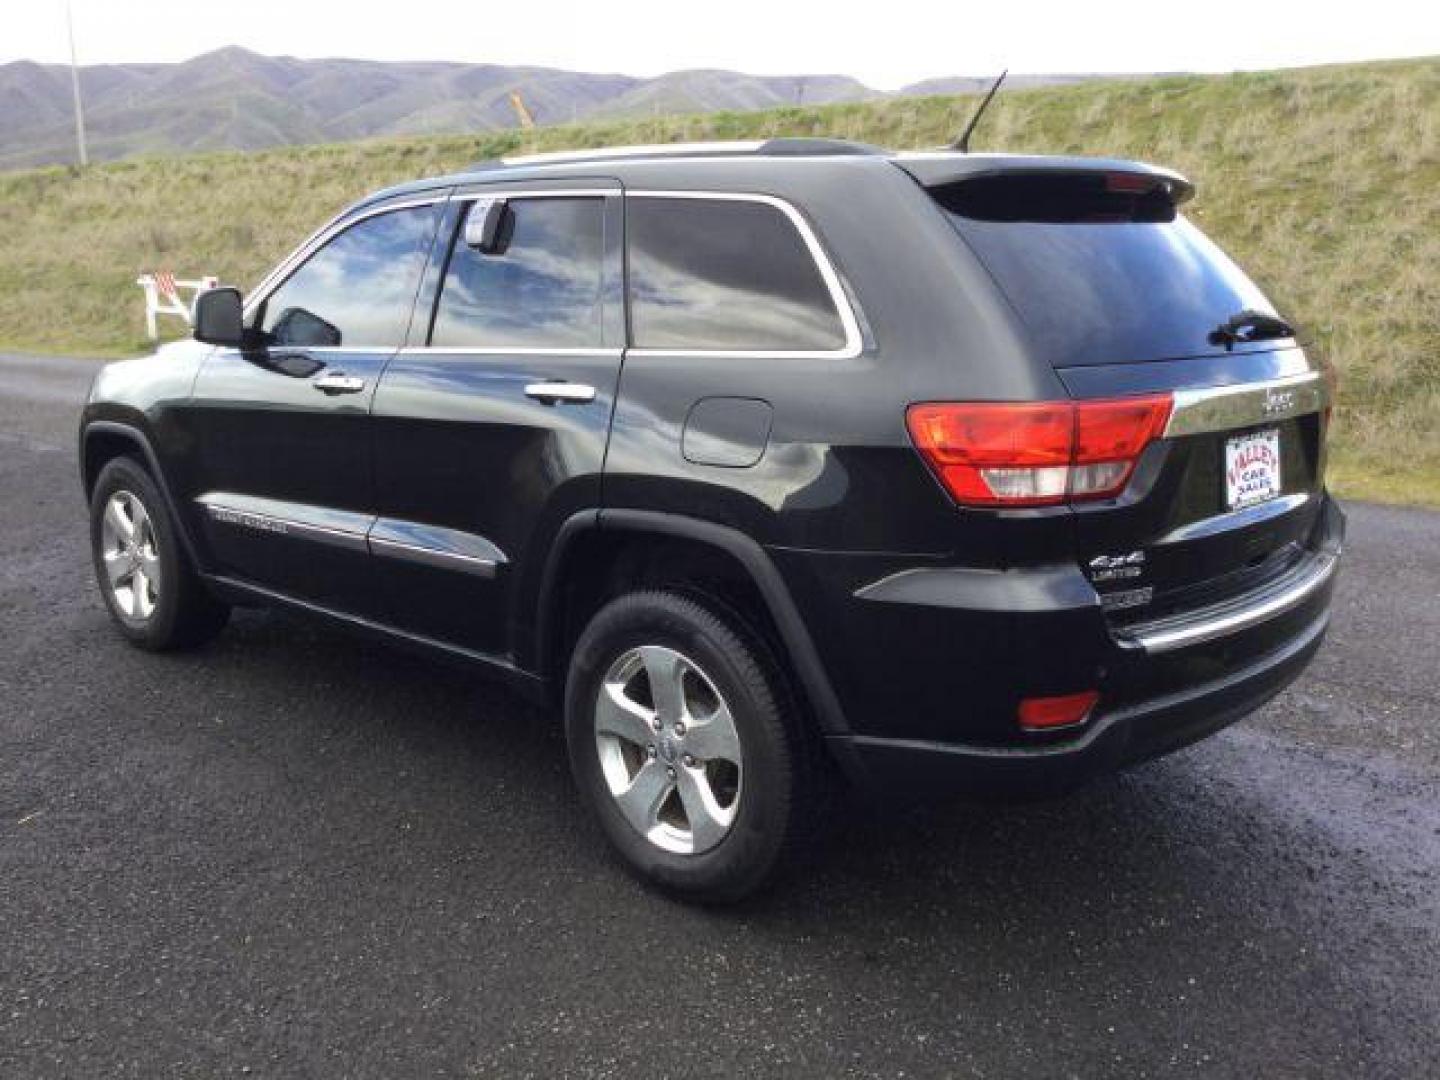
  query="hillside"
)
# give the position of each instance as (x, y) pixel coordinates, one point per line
(234, 99)
(1324, 183)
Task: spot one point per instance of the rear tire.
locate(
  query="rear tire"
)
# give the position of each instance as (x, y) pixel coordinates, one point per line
(153, 594)
(680, 742)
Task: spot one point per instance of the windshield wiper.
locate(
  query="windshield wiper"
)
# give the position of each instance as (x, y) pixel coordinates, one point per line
(1250, 325)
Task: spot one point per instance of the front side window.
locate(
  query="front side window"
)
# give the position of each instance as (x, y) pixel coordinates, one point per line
(543, 288)
(358, 289)
(724, 275)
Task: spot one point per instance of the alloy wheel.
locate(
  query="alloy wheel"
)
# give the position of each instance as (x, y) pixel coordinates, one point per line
(669, 749)
(130, 555)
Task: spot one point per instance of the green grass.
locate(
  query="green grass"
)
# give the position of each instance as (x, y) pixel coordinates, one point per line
(1324, 183)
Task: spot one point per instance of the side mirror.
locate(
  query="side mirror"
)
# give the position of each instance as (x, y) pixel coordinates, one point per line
(218, 318)
(487, 227)
(303, 330)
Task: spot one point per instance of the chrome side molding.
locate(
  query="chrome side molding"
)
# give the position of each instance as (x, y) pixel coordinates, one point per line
(1221, 408)
(408, 541)
(336, 528)
(1196, 627)
(434, 545)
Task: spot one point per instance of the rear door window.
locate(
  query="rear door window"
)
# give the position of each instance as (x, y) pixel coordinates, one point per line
(545, 289)
(724, 275)
(1100, 276)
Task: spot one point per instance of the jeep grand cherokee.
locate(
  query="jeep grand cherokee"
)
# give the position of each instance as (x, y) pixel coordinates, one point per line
(938, 471)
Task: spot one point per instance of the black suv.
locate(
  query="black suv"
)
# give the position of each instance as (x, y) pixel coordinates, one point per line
(769, 462)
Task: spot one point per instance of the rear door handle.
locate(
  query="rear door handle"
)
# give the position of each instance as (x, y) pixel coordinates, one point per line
(554, 392)
(337, 382)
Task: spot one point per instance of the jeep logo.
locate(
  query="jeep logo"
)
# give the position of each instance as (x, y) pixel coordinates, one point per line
(1277, 402)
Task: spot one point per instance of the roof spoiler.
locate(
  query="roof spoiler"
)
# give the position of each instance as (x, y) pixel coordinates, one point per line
(949, 167)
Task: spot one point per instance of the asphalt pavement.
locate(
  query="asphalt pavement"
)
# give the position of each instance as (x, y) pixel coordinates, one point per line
(296, 854)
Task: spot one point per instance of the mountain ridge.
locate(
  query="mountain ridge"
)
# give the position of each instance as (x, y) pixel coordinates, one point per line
(236, 99)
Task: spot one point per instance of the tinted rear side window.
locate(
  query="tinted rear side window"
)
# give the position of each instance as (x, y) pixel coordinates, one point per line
(1100, 277)
(545, 290)
(724, 275)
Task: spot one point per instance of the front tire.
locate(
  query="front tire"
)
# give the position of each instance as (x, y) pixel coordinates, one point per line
(681, 746)
(154, 596)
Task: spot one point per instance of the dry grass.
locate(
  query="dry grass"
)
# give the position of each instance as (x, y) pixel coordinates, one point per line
(1324, 183)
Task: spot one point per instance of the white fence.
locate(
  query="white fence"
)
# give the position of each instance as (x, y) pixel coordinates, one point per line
(162, 297)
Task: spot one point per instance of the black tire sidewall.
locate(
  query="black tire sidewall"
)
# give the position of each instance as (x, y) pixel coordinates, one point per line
(757, 839)
(158, 631)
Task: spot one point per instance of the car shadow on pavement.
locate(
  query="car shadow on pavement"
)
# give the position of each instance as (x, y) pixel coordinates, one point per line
(1174, 828)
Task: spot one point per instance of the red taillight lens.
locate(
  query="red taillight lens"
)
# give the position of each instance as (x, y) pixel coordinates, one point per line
(1036, 453)
(1063, 710)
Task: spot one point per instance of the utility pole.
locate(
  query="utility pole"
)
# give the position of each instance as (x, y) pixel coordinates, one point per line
(75, 87)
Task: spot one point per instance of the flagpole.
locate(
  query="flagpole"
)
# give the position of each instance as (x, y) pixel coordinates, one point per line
(75, 88)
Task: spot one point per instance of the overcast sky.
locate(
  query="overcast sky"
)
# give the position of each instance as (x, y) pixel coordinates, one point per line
(886, 43)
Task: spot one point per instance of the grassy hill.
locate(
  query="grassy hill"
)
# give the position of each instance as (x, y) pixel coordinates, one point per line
(1324, 183)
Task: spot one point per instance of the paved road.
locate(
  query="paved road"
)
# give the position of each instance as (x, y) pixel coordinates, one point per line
(297, 855)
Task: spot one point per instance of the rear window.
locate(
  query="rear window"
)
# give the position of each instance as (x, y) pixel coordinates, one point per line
(724, 275)
(1100, 272)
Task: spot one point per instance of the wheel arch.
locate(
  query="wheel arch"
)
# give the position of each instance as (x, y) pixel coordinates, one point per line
(101, 441)
(592, 534)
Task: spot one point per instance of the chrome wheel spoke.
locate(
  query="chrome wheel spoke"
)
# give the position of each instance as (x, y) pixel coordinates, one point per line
(641, 801)
(118, 519)
(150, 563)
(708, 820)
(617, 714)
(666, 670)
(713, 737)
(140, 604)
(118, 567)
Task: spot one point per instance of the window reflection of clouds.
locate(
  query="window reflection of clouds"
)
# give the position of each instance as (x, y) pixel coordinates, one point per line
(544, 291)
(725, 274)
(364, 280)
(1113, 292)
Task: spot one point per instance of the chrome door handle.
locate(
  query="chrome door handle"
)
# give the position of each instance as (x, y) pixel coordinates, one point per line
(338, 382)
(554, 392)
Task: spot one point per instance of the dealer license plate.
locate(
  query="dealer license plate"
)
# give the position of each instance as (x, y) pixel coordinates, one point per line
(1252, 468)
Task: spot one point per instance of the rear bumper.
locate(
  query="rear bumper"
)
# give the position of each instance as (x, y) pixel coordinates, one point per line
(1119, 738)
(929, 665)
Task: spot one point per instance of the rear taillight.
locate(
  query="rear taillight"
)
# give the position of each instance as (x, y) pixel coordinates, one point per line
(1036, 453)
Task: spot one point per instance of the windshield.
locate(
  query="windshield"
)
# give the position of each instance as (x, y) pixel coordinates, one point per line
(1099, 276)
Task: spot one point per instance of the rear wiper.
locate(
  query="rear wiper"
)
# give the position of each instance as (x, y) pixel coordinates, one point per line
(1250, 325)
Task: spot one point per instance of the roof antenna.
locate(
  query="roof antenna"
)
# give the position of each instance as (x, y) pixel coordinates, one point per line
(963, 142)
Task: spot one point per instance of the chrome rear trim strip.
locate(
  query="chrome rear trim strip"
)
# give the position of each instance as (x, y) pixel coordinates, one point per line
(1208, 624)
(1223, 408)
(1235, 519)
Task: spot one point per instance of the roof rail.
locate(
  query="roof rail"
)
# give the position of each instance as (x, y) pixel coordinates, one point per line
(691, 149)
(807, 147)
(804, 147)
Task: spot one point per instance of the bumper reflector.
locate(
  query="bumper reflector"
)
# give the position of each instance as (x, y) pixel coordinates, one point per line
(1064, 710)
